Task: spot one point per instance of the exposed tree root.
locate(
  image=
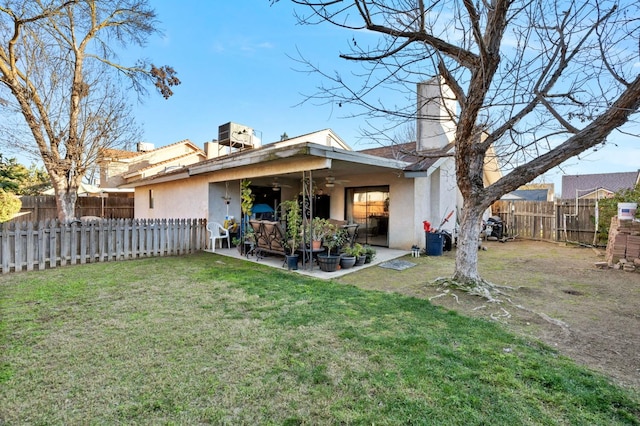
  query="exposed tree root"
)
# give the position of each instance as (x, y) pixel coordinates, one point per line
(445, 293)
(493, 294)
(482, 288)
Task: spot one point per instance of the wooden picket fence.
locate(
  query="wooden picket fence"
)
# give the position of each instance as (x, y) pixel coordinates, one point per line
(43, 207)
(48, 244)
(563, 220)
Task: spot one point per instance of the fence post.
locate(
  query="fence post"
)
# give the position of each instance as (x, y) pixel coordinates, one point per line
(4, 247)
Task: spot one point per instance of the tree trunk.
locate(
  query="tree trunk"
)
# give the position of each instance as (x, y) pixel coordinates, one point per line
(66, 198)
(466, 272)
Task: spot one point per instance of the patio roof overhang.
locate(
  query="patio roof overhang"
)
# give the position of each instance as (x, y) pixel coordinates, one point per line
(286, 162)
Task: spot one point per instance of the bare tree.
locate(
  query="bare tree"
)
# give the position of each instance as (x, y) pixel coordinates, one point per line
(60, 76)
(536, 82)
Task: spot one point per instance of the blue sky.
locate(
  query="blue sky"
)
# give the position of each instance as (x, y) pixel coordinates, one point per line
(234, 59)
(235, 63)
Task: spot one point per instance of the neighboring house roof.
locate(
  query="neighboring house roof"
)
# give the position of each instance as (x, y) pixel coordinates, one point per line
(162, 166)
(582, 185)
(527, 195)
(118, 166)
(117, 153)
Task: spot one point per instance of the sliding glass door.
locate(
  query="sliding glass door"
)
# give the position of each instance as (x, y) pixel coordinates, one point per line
(369, 208)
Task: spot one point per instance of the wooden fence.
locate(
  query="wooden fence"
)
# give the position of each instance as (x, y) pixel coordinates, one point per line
(43, 207)
(552, 221)
(48, 244)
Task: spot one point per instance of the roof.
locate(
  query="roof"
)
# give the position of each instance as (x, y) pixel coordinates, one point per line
(420, 162)
(527, 195)
(117, 153)
(122, 154)
(579, 185)
(160, 164)
(291, 155)
(404, 152)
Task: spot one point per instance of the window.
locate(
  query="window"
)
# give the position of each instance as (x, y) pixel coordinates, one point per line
(369, 207)
(151, 198)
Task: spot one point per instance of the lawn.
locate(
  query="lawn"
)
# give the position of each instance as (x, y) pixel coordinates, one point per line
(208, 339)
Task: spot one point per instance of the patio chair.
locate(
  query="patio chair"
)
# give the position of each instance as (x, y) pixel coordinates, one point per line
(352, 234)
(217, 232)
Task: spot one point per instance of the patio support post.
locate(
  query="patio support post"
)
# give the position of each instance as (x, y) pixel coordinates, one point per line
(307, 213)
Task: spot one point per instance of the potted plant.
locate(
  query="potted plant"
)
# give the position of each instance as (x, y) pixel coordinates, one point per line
(334, 239)
(246, 243)
(369, 253)
(320, 228)
(348, 257)
(294, 236)
(358, 252)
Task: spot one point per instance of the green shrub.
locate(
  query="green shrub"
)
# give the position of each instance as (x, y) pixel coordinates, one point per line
(608, 208)
(9, 205)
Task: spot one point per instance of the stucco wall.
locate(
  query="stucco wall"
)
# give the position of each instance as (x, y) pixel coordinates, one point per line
(412, 200)
(182, 199)
(435, 197)
(217, 207)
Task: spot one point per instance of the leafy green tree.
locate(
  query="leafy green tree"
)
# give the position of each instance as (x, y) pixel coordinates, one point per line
(20, 180)
(12, 174)
(10, 204)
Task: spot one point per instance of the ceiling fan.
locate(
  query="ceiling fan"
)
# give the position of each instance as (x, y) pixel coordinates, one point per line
(331, 181)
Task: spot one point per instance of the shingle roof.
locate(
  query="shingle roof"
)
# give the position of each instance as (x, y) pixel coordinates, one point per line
(122, 154)
(402, 152)
(407, 152)
(161, 163)
(116, 153)
(583, 184)
(530, 194)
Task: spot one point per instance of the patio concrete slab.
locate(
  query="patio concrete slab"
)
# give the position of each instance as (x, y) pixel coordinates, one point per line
(383, 254)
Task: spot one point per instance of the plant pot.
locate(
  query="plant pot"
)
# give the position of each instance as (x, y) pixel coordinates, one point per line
(347, 262)
(316, 244)
(360, 260)
(245, 249)
(292, 262)
(328, 263)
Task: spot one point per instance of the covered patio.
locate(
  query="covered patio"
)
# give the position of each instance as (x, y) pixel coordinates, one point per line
(382, 255)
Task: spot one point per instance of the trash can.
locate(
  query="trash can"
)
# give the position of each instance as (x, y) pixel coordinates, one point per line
(497, 227)
(434, 243)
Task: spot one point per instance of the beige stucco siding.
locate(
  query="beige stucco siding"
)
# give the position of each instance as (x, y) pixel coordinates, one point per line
(182, 199)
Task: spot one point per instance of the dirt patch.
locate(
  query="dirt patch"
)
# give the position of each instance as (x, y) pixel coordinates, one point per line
(557, 296)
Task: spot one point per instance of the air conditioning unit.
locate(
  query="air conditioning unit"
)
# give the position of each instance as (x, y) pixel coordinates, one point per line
(235, 136)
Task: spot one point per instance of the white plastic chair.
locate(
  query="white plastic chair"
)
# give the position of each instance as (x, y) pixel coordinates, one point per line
(217, 232)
